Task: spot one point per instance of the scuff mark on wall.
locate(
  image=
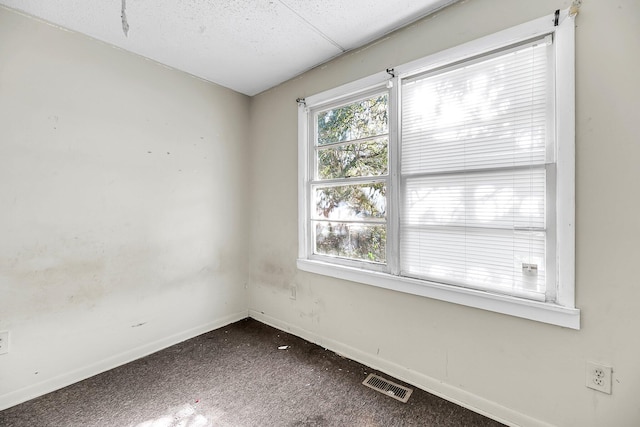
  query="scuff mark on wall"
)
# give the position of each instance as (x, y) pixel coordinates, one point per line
(123, 15)
(273, 273)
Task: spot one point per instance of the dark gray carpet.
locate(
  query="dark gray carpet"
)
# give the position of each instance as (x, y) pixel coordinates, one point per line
(237, 376)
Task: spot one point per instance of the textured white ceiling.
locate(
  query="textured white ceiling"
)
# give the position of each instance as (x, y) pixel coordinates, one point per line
(246, 45)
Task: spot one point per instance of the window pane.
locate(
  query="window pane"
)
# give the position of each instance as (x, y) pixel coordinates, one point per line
(484, 115)
(351, 202)
(356, 241)
(498, 259)
(361, 119)
(369, 158)
(499, 199)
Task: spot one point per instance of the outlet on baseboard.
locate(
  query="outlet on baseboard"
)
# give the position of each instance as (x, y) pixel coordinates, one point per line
(599, 377)
(4, 342)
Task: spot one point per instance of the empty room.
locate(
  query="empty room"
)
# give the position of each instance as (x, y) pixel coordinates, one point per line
(306, 213)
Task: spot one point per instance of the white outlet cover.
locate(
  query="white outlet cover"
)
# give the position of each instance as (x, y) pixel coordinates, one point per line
(599, 377)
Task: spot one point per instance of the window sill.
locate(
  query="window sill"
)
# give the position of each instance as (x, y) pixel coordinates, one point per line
(518, 307)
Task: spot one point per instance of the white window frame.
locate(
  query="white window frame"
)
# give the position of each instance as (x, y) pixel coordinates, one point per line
(562, 311)
(376, 89)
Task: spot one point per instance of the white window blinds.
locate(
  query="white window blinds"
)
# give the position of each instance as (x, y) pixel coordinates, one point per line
(476, 160)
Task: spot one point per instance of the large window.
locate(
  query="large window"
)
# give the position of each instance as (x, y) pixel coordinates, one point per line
(450, 177)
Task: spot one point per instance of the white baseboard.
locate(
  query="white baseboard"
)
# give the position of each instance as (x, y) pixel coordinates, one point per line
(448, 392)
(22, 395)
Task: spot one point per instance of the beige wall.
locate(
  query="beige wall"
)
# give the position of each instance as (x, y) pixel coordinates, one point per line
(516, 370)
(123, 196)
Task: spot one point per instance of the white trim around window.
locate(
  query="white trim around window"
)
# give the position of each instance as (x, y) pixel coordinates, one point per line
(555, 304)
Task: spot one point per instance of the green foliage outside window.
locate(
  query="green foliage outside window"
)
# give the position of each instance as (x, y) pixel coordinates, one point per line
(352, 142)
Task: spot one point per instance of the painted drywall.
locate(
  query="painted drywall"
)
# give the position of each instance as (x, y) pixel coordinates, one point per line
(123, 195)
(519, 371)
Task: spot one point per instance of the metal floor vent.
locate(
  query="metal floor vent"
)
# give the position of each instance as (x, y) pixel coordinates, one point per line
(387, 387)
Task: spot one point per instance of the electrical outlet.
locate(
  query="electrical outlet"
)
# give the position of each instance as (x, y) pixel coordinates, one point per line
(4, 342)
(292, 290)
(599, 377)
